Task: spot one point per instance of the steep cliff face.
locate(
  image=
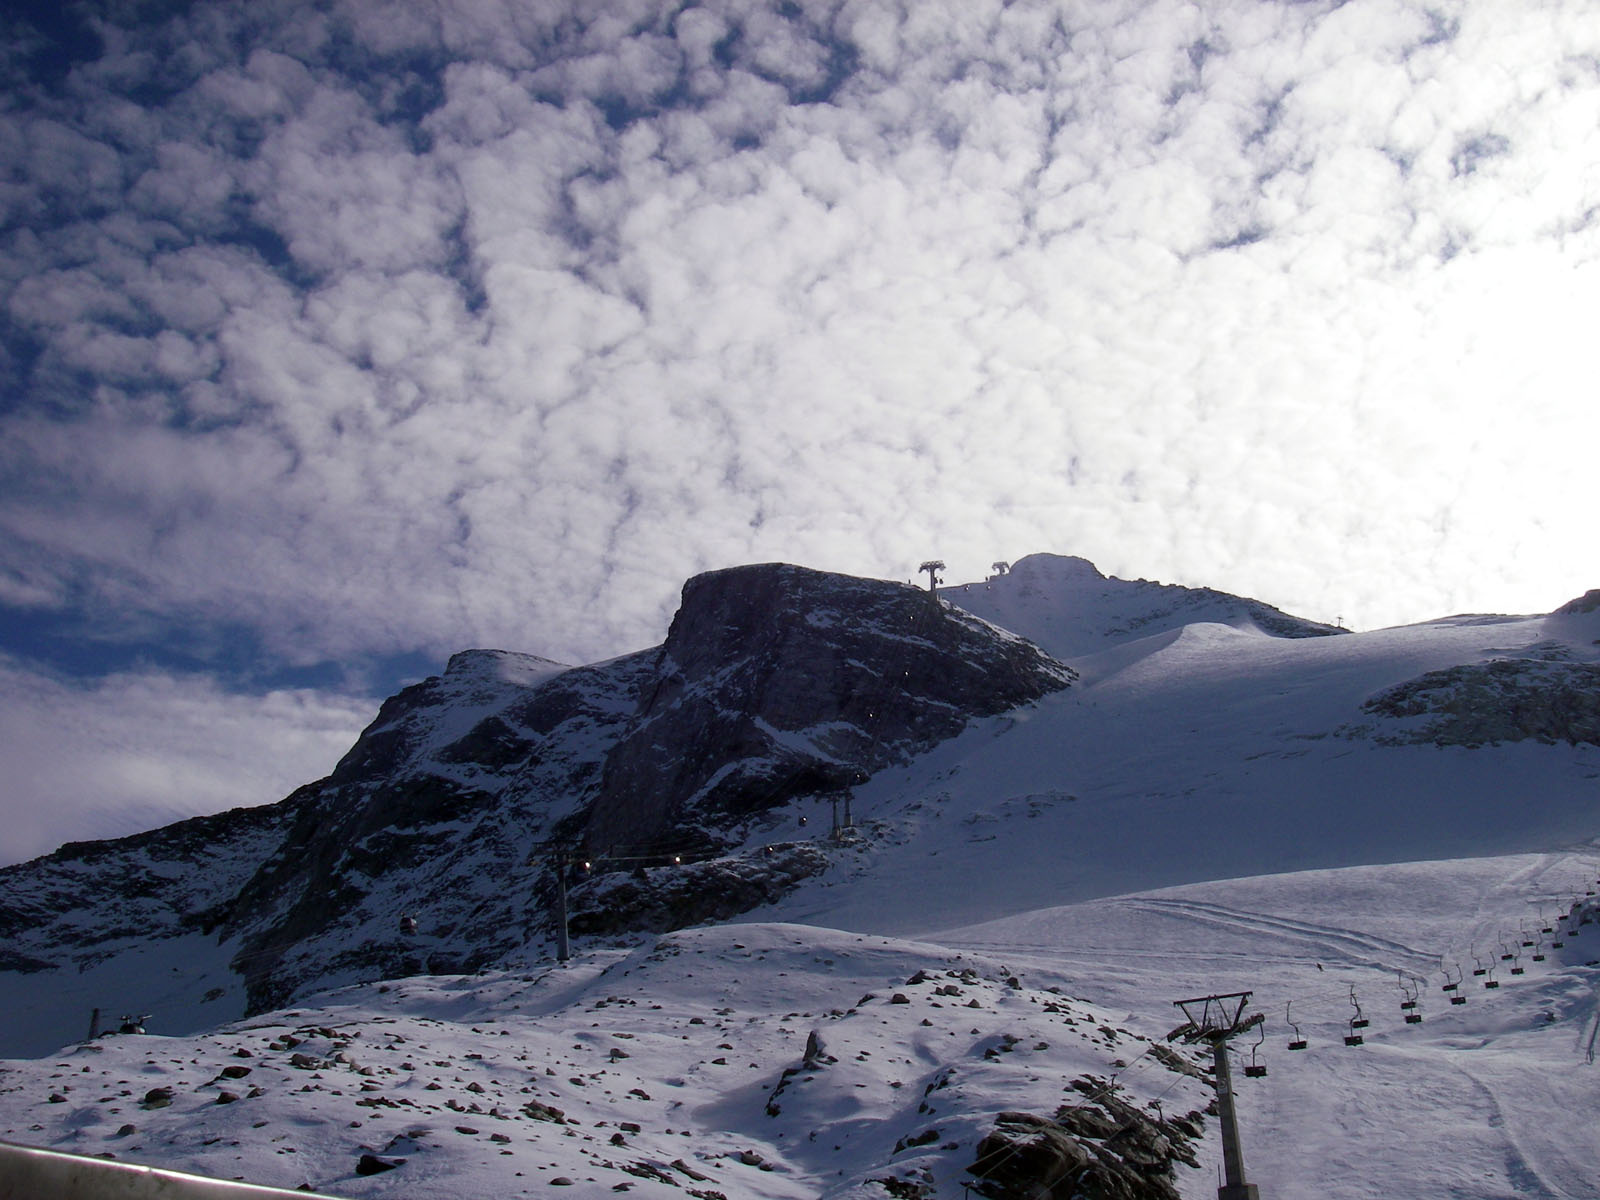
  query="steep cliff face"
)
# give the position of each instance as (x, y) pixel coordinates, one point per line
(435, 812)
(777, 681)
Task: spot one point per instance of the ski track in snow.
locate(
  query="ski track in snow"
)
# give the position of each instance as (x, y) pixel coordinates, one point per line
(1348, 945)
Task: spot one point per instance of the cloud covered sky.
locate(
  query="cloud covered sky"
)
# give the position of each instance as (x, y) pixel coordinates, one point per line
(336, 337)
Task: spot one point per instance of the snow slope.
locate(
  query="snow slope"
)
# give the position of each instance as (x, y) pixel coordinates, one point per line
(1203, 753)
(1209, 809)
(661, 1072)
(1491, 1098)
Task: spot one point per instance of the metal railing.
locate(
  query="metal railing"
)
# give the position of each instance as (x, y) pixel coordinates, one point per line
(29, 1173)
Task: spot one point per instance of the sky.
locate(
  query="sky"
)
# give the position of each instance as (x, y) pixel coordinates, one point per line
(336, 337)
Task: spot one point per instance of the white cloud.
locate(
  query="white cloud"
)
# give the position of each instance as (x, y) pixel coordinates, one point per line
(1246, 296)
(140, 749)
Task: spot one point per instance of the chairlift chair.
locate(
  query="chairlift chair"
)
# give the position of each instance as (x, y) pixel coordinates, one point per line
(1298, 1042)
(1359, 1021)
(1254, 1069)
(1408, 994)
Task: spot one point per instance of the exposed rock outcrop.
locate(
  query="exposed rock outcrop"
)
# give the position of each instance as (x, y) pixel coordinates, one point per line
(1503, 700)
(1102, 1149)
(777, 681)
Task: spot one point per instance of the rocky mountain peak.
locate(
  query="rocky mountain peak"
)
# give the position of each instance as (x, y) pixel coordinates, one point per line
(1055, 570)
(1585, 603)
(778, 681)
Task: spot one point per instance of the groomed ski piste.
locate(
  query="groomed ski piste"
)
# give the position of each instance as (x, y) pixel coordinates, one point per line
(1208, 810)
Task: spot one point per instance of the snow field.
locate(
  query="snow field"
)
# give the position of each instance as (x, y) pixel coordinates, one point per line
(1489, 1099)
(663, 1064)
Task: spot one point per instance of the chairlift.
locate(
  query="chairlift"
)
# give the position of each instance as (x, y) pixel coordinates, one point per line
(1491, 982)
(1254, 1069)
(1451, 985)
(1353, 1038)
(1358, 1021)
(1480, 969)
(1298, 1042)
(1408, 995)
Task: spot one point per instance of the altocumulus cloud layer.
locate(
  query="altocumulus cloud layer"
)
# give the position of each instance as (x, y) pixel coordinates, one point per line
(370, 328)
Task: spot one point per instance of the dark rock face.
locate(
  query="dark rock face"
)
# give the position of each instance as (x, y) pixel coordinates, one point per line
(1104, 1149)
(1585, 603)
(665, 898)
(777, 681)
(1504, 700)
(435, 811)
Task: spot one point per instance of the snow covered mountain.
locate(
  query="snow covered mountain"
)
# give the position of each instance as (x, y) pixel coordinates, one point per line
(775, 682)
(1126, 792)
